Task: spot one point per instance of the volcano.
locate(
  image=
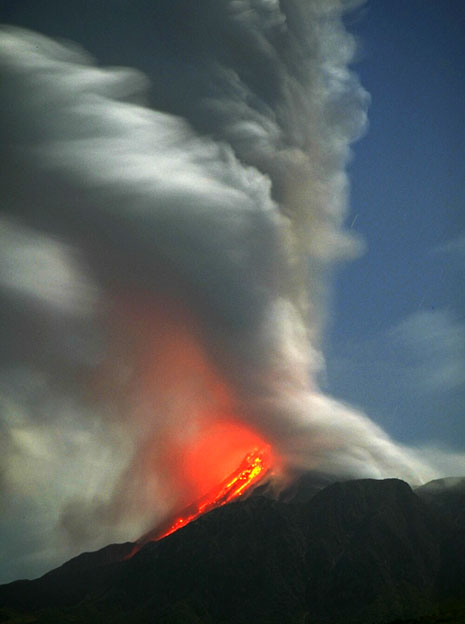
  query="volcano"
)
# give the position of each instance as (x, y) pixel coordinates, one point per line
(363, 551)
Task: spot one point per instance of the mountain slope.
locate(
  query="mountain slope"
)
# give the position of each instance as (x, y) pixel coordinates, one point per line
(360, 551)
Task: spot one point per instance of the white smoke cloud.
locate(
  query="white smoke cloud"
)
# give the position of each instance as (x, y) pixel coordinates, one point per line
(233, 203)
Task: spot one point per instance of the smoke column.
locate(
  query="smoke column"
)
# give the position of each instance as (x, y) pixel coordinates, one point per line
(164, 268)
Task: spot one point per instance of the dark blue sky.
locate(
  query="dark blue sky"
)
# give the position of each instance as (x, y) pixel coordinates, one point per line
(395, 346)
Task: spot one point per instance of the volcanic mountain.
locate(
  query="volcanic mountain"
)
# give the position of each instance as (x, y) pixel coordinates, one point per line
(358, 551)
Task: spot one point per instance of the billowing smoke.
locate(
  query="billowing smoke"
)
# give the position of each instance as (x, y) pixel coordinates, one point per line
(164, 269)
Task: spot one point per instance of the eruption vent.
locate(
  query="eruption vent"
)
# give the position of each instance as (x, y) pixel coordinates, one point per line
(206, 453)
(253, 468)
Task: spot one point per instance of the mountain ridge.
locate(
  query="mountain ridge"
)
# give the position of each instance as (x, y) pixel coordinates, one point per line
(357, 551)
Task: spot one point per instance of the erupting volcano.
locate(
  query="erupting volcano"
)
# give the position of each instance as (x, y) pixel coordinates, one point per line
(167, 231)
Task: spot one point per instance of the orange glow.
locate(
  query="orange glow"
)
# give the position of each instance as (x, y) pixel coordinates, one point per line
(190, 423)
(216, 453)
(250, 471)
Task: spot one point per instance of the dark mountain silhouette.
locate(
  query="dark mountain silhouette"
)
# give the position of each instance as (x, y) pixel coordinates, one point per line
(360, 551)
(448, 495)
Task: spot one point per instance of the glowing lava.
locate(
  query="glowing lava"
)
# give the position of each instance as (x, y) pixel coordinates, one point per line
(194, 441)
(250, 471)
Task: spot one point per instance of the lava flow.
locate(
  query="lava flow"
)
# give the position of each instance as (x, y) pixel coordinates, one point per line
(250, 471)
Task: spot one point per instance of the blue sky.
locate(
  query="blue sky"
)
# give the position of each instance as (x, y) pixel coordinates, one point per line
(396, 343)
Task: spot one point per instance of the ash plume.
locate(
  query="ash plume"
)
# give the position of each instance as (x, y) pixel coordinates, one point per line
(148, 240)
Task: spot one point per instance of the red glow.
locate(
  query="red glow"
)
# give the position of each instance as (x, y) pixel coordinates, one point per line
(216, 453)
(193, 438)
(250, 471)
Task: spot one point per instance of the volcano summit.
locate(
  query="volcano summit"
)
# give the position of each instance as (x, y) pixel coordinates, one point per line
(357, 552)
